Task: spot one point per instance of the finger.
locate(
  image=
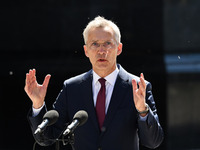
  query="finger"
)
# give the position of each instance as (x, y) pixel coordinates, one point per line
(30, 77)
(26, 81)
(142, 83)
(27, 78)
(30, 72)
(134, 85)
(34, 72)
(142, 80)
(46, 80)
(142, 75)
(141, 89)
(34, 75)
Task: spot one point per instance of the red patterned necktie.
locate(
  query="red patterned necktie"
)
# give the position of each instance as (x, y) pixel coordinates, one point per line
(100, 104)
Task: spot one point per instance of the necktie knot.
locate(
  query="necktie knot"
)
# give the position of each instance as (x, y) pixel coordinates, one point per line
(102, 81)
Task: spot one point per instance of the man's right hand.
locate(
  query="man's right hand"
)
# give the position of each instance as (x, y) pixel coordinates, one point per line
(35, 91)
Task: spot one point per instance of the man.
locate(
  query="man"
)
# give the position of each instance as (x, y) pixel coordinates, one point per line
(127, 115)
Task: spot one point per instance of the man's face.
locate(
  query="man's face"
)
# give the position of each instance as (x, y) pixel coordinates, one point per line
(102, 50)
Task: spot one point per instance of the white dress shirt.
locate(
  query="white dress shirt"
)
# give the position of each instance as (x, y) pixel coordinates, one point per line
(110, 82)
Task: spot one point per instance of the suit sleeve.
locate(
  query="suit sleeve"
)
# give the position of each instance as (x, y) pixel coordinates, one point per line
(150, 131)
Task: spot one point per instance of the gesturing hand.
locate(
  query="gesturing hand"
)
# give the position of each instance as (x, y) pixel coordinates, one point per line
(35, 91)
(139, 94)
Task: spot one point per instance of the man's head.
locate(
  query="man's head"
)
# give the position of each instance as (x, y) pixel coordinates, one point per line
(102, 45)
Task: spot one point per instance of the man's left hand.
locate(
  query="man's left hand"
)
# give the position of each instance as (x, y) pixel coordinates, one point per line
(139, 94)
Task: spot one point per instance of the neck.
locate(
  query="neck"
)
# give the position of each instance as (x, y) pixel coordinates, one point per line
(104, 73)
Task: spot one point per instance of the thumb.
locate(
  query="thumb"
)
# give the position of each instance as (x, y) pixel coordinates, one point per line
(46, 80)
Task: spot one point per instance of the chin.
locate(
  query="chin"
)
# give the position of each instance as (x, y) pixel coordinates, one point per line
(102, 67)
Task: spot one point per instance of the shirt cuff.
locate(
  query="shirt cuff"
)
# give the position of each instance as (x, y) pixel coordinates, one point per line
(35, 112)
(143, 118)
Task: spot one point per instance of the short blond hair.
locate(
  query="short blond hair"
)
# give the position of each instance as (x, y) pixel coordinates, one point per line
(102, 22)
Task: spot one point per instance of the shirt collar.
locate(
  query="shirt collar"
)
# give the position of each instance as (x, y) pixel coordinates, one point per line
(111, 78)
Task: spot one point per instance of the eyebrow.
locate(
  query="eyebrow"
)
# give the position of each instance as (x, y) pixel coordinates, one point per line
(98, 41)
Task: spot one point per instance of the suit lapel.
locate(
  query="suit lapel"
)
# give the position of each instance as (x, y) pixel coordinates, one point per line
(87, 96)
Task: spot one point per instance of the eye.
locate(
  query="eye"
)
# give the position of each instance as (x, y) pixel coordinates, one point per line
(108, 43)
(94, 44)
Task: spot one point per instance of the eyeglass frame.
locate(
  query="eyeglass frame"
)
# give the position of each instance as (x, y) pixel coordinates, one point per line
(95, 45)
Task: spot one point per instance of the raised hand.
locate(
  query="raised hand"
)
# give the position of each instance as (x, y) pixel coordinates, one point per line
(35, 91)
(139, 94)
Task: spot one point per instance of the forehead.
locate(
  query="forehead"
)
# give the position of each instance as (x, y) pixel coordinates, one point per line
(100, 34)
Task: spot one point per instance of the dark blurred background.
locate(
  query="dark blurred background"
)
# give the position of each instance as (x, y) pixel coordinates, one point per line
(161, 38)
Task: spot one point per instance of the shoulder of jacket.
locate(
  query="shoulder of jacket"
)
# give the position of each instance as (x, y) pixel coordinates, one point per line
(77, 79)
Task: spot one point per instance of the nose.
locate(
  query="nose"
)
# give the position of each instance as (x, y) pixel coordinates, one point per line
(101, 49)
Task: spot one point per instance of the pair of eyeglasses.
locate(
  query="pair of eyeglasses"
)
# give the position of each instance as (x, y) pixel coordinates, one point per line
(106, 45)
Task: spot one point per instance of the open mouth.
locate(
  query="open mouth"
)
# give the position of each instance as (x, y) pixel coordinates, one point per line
(101, 60)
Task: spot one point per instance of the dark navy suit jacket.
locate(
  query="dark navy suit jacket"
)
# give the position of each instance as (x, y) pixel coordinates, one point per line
(122, 128)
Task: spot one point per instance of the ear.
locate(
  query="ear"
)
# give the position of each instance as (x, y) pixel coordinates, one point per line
(119, 49)
(85, 50)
